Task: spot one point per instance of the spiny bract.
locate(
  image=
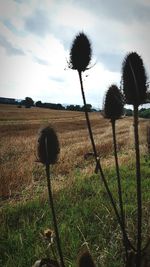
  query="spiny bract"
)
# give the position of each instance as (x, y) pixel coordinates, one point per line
(80, 54)
(134, 79)
(47, 146)
(113, 103)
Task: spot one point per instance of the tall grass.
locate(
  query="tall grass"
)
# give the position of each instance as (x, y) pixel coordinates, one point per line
(83, 210)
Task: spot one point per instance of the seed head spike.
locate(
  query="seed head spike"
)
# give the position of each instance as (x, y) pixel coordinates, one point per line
(134, 79)
(47, 146)
(80, 54)
(113, 103)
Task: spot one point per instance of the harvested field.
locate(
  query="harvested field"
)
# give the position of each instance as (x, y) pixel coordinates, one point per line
(18, 133)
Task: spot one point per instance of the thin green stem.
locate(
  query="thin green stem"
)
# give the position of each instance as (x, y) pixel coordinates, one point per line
(97, 160)
(119, 187)
(139, 192)
(54, 215)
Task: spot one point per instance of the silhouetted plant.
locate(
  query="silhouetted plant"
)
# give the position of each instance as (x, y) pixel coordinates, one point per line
(81, 52)
(113, 109)
(135, 91)
(80, 56)
(48, 150)
(85, 259)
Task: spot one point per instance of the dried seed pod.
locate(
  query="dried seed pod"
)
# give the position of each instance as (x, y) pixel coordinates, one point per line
(85, 259)
(47, 146)
(80, 54)
(113, 103)
(134, 79)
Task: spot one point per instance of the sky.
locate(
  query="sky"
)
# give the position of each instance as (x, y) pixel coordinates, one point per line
(36, 37)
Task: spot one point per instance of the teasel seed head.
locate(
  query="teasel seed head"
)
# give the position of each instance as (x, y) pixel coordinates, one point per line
(85, 259)
(80, 54)
(134, 79)
(113, 106)
(47, 146)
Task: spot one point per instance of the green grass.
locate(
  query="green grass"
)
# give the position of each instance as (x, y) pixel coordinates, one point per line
(84, 214)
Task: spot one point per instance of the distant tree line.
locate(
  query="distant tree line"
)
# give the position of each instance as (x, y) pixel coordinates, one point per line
(9, 101)
(28, 103)
(143, 113)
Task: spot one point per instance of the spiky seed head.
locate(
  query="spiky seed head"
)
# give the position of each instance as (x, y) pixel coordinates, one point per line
(134, 79)
(47, 146)
(80, 54)
(113, 103)
(85, 259)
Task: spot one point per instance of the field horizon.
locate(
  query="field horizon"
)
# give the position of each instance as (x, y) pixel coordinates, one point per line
(19, 130)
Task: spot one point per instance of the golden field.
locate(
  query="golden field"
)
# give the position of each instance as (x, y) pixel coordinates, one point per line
(20, 172)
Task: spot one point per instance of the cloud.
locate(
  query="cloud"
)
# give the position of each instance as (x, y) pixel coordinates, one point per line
(20, 1)
(43, 31)
(111, 61)
(124, 11)
(38, 23)
(10, 49)
(41, 61)
(15, 26)
(56, 79)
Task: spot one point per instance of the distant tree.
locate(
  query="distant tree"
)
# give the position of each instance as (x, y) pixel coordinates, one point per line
(128, 112)
(88, 108)
(60, 106)
(144, 113)
(70, 107)
(28, 102)
(78, 107)
(39, 104)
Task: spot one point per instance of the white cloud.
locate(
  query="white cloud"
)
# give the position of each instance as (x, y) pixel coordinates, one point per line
(40, 72)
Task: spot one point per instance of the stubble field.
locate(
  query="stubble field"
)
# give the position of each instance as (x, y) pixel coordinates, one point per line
(18, 134)
(84, 212)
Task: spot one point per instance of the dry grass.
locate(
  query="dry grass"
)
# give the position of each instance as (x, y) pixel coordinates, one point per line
(18, 131)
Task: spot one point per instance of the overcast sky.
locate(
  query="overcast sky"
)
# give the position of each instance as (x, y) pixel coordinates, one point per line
(36, 36)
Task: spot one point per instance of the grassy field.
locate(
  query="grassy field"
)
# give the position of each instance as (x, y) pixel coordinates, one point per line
(83, 210)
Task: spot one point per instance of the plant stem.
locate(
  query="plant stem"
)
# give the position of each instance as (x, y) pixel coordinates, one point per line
(54, 215)
(139, 193)
(119, 186)
(99, 165)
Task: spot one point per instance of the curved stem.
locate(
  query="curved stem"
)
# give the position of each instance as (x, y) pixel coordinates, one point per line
(139, 193)
(54, 215)
(119, 186)
(99, 165)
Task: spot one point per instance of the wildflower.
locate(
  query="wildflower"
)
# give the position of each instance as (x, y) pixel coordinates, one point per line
(48, 234)
(48, 146)
(134, 79)
(80, 54)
